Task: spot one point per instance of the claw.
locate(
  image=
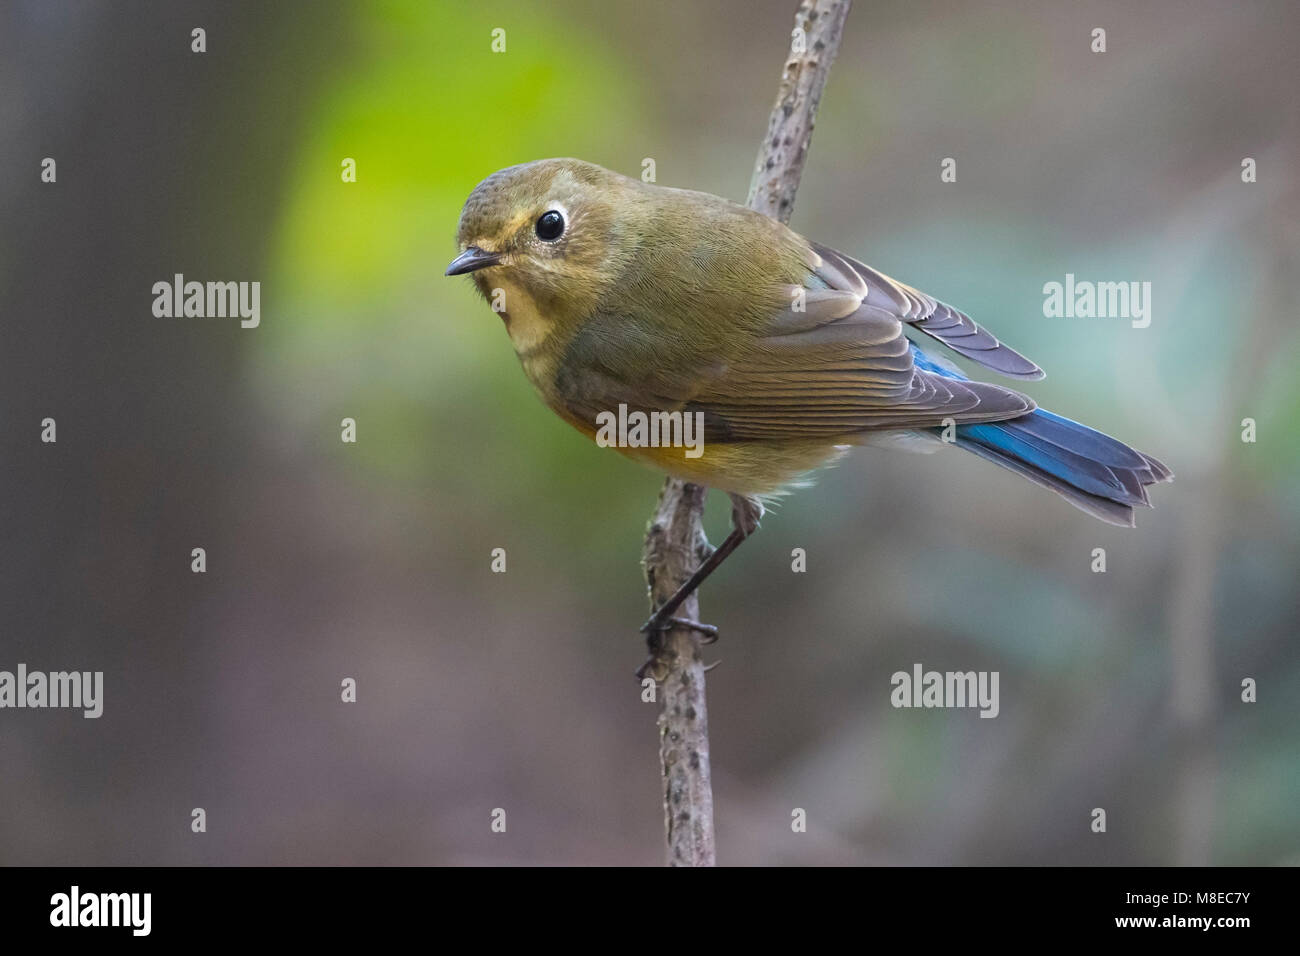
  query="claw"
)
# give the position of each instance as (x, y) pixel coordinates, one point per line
(656, 624)
(654, 628)
(644, 668)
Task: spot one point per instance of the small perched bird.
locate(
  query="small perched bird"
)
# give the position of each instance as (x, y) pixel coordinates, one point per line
(616, 293)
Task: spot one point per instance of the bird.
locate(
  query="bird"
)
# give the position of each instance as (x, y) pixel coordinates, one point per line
(623, 295)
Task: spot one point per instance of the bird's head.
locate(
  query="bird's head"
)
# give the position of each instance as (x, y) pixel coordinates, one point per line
(548, 227)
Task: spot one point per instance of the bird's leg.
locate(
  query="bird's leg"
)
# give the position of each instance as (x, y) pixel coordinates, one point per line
(746, 513)
(663, 616)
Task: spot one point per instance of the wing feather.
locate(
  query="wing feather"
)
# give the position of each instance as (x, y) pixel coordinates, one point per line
(833, 362)
(936, 319)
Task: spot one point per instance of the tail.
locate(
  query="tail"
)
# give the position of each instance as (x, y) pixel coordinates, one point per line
(1092, 471)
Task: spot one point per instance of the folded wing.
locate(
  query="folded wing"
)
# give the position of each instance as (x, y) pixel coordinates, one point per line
(833, 360)
(955, 329)
(853, 374)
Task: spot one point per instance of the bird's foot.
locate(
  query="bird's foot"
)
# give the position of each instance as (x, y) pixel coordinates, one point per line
(653, 630)
(657, 624)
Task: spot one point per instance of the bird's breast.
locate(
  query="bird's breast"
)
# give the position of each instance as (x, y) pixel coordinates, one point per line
(527, 327)
(531, 333)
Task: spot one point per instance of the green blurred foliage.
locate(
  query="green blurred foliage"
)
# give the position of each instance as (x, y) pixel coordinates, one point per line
(371, 328)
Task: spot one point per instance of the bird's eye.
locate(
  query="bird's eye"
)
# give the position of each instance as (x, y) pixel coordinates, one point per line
(550, 226)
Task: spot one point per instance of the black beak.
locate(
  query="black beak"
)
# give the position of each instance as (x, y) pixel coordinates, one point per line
(471, 260)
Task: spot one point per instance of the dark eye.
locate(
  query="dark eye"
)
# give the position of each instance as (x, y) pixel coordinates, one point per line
(550, 226)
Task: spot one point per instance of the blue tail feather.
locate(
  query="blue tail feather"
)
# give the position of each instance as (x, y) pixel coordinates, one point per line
(1094, 472)
(1077, 462)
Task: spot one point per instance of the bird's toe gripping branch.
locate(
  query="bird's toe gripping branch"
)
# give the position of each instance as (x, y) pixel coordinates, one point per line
(746, 512)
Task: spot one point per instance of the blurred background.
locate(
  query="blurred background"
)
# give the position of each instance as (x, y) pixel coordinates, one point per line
(478, 690)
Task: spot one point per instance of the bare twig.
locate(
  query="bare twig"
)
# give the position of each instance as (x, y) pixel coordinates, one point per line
(789, 130)
(675, 543)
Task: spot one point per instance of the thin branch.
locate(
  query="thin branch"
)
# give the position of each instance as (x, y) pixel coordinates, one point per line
(789, 130)
(675, 543)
